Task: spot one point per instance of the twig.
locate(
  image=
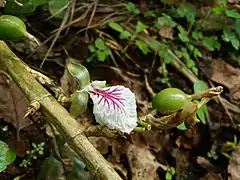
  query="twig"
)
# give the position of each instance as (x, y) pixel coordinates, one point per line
(56, 37)
(225, 108)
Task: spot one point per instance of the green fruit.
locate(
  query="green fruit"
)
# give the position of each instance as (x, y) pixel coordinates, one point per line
(169, 100)
(12, 28)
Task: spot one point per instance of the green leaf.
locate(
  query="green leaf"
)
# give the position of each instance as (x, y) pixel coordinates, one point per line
(58, 8)
(232, 13)
(202, 113)
(218, 10)
(132, 8)
(116, 26)
(13, 8)
(6, 156)
(168, 176)
(190, 63)
(154, 44)
(39, 2)
(162, 80)
(166, 55)
(150, 14)
(235, 43)
(140, 27)
(195, 70)
(197, 35)
(200, 86)
(125, 35)
(101, 55)
(91, 48)
(181, 29)
(100, 44)
(142, 46)
(197, 53)
(229, 35)
(211, 43)
(182, 127)
(184, 11)
(183, 37)
(237, 26)
(165, 20)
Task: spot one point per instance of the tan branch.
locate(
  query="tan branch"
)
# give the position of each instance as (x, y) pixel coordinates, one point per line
(72, 131)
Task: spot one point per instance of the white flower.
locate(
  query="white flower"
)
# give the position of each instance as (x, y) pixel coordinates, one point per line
(114, 106)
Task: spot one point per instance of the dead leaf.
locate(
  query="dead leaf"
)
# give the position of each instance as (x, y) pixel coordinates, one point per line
(13, 104)
(166, 32)
(234, 165)
(68, 83)
(100, 143)
(229, 76)
(143, 163)
(211, 176)
(204, 162)
(119, 147)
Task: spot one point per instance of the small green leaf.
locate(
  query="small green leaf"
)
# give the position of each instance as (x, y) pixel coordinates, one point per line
(182, 34)
(184, 11)
(201, 113)
(165, 20)
(166, 55)
(232, 13)
(116, 26)
(229, 35)
(218, 10)
(211, 43)
(6, 156)
(132, 8)
(181, 29)
(101, 55)
(235, 43)
(182, 127)
(142, 46)
(58, 8)
(162, 80)
(200, 86)
(197, 35)
(183, 37)
(100, 44)
(140, 27)
(168, 176)
(125, 35)
(237, 26)
(190, 63)
(197, 53)
(195, 70)
(91, 48)
(150, 14)
(154, 44)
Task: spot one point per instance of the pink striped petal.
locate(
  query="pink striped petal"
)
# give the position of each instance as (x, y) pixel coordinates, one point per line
(114, 107)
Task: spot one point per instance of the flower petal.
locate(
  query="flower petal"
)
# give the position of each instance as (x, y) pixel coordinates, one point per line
(115, 107)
